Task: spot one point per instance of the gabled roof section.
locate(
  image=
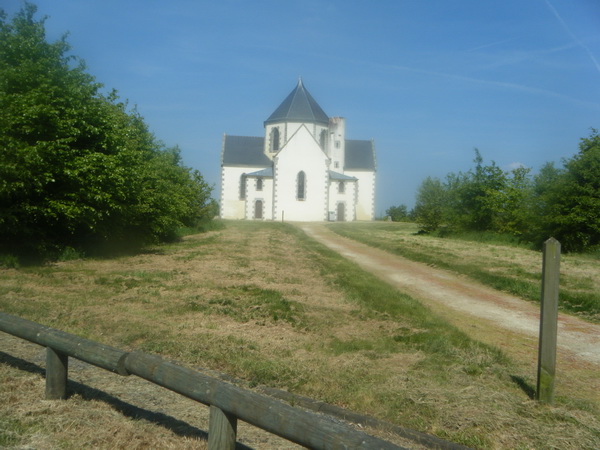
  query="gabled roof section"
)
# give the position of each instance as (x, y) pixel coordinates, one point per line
(299, 106)
(244, 151)
(360, 155)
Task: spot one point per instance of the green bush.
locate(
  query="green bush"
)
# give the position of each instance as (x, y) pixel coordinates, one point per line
(78, 169)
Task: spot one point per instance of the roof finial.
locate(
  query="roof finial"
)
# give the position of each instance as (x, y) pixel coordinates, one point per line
(300, 80)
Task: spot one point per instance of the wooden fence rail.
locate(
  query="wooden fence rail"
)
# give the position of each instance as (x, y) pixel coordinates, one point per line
(227, 402)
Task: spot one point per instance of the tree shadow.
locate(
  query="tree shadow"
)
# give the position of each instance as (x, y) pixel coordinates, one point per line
(88, 393)
(525, 387)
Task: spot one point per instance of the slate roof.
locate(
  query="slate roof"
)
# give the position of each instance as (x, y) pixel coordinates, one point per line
(340, 176)
(244, 151)
(299, 106)
(268, 173)
(248, 151)
(360, 155)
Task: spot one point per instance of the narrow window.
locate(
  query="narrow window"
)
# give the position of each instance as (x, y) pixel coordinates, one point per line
(301, 185)
(341, 187)
(275, 139)
(259, 183)
(243, 186)
(337, 144)
(323, 139)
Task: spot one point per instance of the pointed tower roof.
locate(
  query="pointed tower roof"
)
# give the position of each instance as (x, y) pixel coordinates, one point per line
(299, 106)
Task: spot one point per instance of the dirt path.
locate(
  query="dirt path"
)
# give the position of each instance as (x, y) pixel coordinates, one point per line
(439, 288)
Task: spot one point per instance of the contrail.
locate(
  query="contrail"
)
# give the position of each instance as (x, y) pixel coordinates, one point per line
(570, 33)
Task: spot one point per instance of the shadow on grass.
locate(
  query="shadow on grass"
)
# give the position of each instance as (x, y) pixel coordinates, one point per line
(177, 426)
(525, 387)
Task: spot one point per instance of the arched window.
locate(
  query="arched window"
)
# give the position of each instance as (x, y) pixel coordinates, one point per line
(259, 184)
(275, 139)
(341, 187)
(243, 186)
(301, 186)
(323, 139)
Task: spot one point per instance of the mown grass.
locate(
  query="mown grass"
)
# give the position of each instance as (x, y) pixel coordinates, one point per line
(10, 431)
(499, 263)
(245, 303)
(87, 420)
(266, 304)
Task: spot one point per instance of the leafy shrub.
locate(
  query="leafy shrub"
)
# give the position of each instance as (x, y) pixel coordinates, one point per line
(78, 169)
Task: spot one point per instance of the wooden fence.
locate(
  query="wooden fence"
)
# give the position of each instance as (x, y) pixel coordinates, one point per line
(227, 402)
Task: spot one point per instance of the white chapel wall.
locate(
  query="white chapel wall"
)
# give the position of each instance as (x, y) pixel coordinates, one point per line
(365, 197)
(302, 153)
(287, 130)
(265, 195)
(347, 198)
(232, 207)
(337, 143)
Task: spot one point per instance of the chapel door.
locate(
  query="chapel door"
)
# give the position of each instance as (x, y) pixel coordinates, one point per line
(341, 212)
(258, 209)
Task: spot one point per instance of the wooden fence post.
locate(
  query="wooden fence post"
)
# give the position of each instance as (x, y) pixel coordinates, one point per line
(222, 430)
(548, 321)
(57, 368)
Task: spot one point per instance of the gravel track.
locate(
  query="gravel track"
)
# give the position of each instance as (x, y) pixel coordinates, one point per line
(470, 298)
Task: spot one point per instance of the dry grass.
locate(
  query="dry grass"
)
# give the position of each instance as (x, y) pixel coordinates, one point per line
(88, 419)
(262, 303)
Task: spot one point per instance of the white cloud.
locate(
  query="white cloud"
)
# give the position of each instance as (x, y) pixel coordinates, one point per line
(515, 165)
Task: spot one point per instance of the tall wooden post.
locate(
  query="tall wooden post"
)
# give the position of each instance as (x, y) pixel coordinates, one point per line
(548, 321)
(222, 430)
(57, 367)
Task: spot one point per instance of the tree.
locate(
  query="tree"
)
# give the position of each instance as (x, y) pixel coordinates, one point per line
(397, 213)
(574, 211)
(486, 198)
(475, 195)
(559, 202)
(430, 207)
(76, 167)
(508, 204)
(542, 203)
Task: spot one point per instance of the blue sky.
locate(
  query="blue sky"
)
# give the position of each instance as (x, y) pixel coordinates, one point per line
(428, 80)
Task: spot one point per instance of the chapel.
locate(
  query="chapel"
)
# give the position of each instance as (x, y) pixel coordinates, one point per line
(302, 169)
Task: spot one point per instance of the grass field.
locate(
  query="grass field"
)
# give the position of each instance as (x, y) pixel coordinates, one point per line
(263, 303)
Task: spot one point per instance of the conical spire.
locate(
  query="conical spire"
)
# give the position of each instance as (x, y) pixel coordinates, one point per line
(299, 106)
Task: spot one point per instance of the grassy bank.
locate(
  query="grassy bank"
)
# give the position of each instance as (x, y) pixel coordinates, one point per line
(506, 267)
(264, 303)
